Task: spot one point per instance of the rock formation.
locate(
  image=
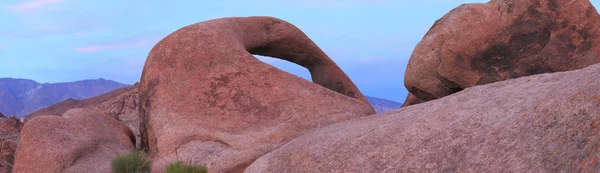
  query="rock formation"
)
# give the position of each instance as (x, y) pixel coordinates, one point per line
(10, 125)
(540, 123)
(205, 99)
(7, 155)
(80, 141)
(411, 100)
(9, 136)
(121, 104)
(477, 44)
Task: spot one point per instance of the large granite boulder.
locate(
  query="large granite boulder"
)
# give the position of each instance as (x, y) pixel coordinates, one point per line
(477, 44)
(541, 123)
(80, 141)
(205, 99)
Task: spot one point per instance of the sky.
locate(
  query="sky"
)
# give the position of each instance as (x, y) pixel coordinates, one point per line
(68, 40)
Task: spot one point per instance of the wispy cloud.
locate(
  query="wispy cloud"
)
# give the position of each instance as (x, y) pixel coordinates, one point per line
(32, 5)
(42, 18)
(119, 45)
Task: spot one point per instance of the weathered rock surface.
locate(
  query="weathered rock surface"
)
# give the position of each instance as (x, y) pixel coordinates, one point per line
(541, 123)
(411, 100)
(121, 106)
(205, 99)
(9, 136)
(80, 141)
(477, 44)
(7, 155)
(10, 125)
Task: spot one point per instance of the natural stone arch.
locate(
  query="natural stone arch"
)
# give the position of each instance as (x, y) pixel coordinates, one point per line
(203, 83)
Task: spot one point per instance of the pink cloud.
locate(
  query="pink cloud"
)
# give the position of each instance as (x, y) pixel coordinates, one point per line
(120, 45)
(30, 5)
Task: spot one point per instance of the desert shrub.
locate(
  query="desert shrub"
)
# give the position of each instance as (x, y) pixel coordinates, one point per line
(180, 167)
(131, 162)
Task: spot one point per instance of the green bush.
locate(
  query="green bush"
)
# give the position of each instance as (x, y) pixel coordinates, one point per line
(180, 167)
(131, 162)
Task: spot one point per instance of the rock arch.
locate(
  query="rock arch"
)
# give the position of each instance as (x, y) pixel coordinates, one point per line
(203, 93)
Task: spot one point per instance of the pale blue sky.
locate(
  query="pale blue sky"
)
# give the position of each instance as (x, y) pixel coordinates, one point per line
(68, 40)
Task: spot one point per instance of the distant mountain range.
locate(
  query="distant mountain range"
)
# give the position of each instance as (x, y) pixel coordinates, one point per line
(20, 97)
(383, 105)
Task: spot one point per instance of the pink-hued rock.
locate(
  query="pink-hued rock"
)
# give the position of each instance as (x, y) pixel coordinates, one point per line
(205, 99)
(123, 105)
(478, 43)
(10, 125)
(411, 100)
(80, 141)
(9, 135)
(540, 123)
(7, 155)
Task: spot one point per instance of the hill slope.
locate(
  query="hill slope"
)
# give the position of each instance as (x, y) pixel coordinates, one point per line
(383, 105)
(20, 97)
